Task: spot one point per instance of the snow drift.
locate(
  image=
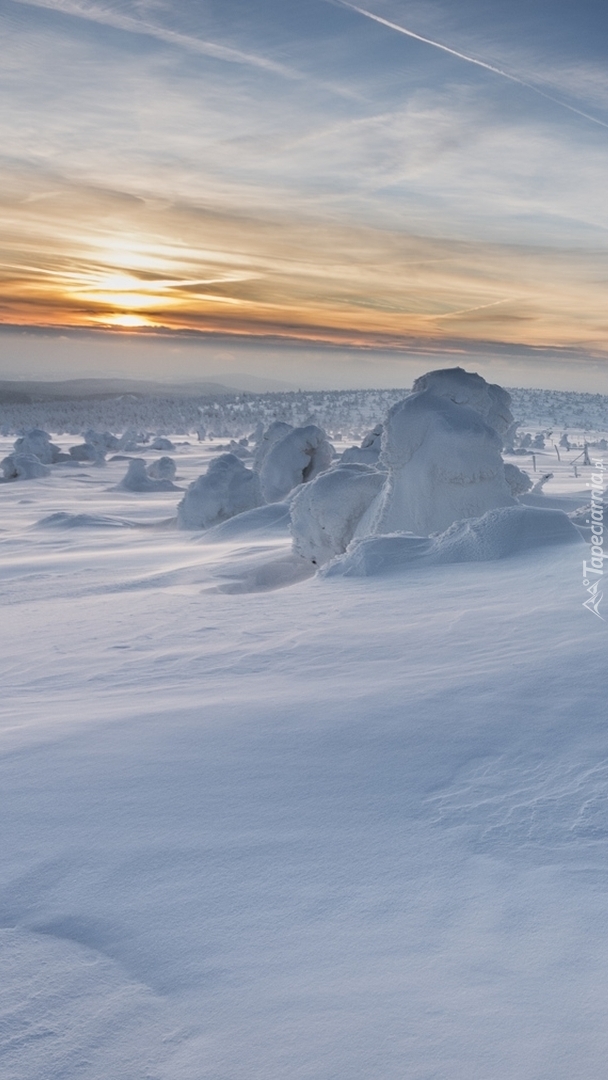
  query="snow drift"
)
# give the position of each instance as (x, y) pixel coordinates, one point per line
(226, 489)
(496, 535)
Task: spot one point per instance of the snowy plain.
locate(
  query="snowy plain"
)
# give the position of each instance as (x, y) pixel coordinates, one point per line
(345, 828)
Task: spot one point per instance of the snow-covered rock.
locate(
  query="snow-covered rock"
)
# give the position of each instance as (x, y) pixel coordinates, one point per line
(444, 464)
(161, 443)
(136, 478)
(226, 489)
(265, 440)
(21, 466)
(326, 512)
(470, 389)
(162, 469)
(299, 456)
(37, 443)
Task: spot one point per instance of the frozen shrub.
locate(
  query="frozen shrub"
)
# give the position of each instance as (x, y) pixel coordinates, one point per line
(226, 489)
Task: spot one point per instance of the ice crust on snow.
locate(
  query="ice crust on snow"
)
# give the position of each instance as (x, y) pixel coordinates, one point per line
(326, 512)
(226, 489)
(508, 530)
(294, 459)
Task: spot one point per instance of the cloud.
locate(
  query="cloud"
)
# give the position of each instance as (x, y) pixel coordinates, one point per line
(470, 60)
(118, 20)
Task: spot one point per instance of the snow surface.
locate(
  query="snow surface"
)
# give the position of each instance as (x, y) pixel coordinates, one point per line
(349, 828)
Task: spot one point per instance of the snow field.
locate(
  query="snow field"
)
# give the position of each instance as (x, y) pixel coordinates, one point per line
(351, 828)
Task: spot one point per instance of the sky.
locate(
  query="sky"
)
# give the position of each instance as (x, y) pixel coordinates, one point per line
(310, 190)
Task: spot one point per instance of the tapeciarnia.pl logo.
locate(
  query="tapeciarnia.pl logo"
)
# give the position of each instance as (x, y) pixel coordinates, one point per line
(594, 570)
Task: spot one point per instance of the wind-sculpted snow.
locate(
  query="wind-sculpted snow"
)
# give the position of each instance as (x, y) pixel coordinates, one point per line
(64, 520)
(468, 388)
(266, 440)
(22, 466)
(497, 534)
(369, 451)
(164, 468)
(443, 464)
(518, 480)
(37, 443)
(226, 489)
(137, 478)
(326, 512)
(294, 459)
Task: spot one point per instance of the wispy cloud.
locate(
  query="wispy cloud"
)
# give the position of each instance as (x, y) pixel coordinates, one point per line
(470, 60)
(108, 17)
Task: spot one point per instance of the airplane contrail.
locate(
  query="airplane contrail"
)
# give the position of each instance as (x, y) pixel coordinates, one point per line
(469, 60)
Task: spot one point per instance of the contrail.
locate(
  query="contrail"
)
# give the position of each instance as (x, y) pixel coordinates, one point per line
(469, 60)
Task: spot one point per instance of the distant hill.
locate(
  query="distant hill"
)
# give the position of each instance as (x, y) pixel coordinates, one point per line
(28, 392)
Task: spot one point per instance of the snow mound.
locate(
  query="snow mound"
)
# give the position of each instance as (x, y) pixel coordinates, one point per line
(265, 440)
(160, 443)
(37, 443)
(87, 451)
(104, 440)
(299, 456)
(369, 451)
(497, 534)
(22, 466)
(162, 469)
(226, 489)
(518, 480)
(444, 464)
(326, 512)
(63, 520)
(470, 389)
(271, 520)
(136, 479)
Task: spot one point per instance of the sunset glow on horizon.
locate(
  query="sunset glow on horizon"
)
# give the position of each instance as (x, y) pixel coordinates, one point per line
(315, 178)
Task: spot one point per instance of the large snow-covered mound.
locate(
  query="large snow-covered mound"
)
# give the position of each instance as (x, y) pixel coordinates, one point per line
(326, 512)
(22, 466)
(137, 479)
(497, 534)
(444, 464)
(162, 469)
(468, 388)
(37, 443)
(299, 456)
(265, 441)
(226, 489)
